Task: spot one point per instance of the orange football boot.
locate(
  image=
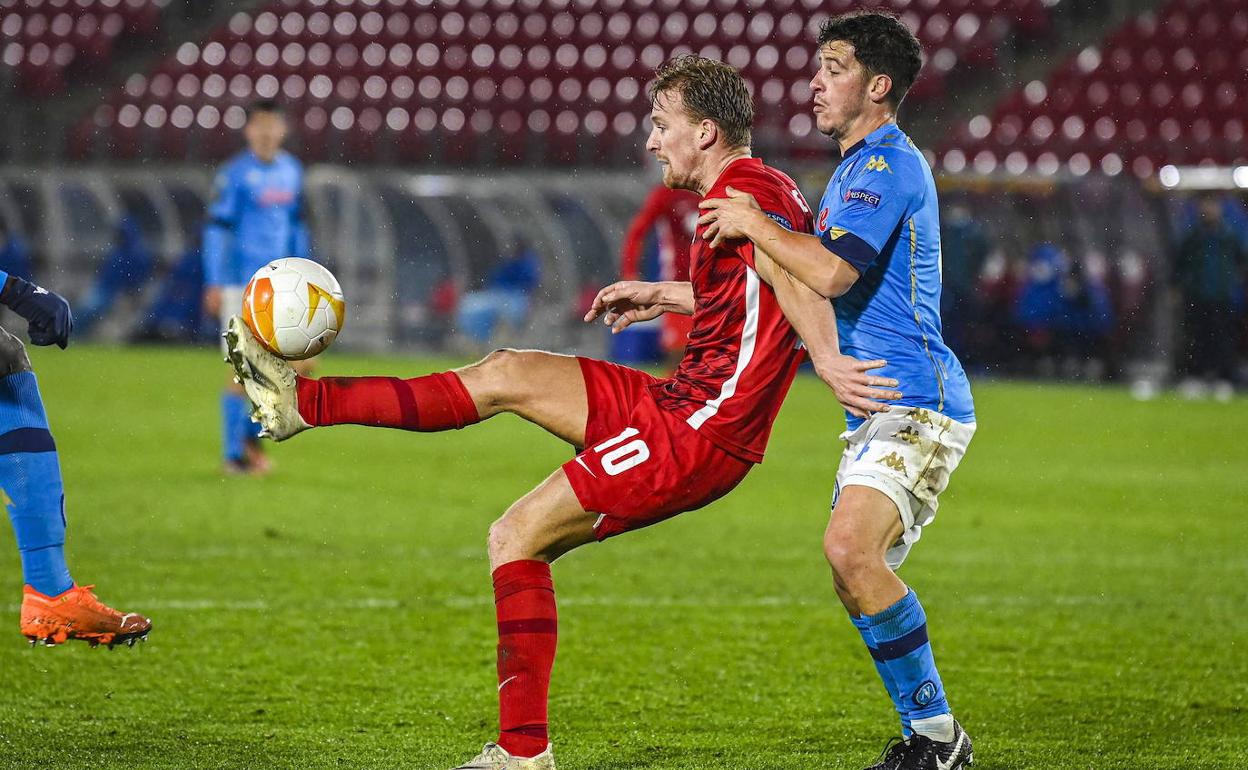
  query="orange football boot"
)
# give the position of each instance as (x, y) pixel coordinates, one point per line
(78, 614)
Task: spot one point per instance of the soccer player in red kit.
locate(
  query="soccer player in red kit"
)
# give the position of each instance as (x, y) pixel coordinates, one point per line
(648, 448)
(673, 215)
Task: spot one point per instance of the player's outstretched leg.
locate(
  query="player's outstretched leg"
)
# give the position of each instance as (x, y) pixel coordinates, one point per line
(54, 610)
(536, 530)
(865, 524)
(544, 388)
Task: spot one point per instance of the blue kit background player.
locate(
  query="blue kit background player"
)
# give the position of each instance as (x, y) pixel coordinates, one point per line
(54, 608)
(256, 216)
(877, 254)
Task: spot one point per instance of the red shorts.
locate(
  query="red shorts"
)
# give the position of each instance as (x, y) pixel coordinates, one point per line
(642, 463)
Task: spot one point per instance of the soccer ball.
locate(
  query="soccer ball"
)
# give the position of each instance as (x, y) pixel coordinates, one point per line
(294, 307)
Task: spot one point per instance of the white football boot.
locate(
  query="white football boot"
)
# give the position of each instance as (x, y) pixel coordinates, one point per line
(495, 757)
(269, 382)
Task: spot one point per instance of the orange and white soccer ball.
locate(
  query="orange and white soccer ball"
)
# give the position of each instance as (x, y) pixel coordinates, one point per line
(294, 307)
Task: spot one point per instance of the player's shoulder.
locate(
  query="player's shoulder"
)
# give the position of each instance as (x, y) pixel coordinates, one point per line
(288, 159)
(893, 156)
(765, 183)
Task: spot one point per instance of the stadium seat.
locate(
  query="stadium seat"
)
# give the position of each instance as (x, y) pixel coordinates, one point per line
(560, 55)
(1126, 96)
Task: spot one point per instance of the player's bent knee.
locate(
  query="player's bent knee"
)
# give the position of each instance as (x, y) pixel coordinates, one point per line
(513, 537)
(849, 556)
(13, 358)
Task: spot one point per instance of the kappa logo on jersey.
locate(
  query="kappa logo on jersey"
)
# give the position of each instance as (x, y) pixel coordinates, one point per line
(877, 163)
(863, 196)
(780, 220)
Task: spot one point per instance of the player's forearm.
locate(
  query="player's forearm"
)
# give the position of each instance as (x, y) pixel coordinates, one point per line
(216, 239)
(810, 313)
(803, 256)
(677, 297)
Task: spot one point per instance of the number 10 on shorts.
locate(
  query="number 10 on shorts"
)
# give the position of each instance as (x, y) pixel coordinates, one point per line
(622, 456)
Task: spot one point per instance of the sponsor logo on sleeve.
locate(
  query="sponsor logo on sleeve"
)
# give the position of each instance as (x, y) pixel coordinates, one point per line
(863, 196)
(822, 224)
(778, 219)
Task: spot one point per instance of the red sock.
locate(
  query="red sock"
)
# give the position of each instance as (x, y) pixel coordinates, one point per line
(524, 598)
(431, 403)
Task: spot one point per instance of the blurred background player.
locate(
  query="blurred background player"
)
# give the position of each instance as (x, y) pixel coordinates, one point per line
(877, 253)
(54, 608)
(255, 217)
(1209, 271)
(671, 215)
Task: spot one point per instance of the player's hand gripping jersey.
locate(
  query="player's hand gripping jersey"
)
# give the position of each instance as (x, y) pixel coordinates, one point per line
(880, 214)
(256, 216)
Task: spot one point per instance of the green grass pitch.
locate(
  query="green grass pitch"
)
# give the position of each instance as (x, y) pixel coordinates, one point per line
(1086, 584)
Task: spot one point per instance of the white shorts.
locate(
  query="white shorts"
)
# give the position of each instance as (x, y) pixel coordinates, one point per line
(907, 453)
(231, 305)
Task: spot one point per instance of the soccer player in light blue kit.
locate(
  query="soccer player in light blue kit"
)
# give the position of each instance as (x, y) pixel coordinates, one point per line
(54, 608)
(256, 216)
(877, 255)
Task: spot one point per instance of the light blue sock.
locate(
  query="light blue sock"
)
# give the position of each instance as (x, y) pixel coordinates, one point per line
(234, 425)
(900, 634)
(890, 683)
(30, 484)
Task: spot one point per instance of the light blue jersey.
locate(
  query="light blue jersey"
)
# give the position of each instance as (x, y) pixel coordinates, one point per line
(256, 216)
(880, 214)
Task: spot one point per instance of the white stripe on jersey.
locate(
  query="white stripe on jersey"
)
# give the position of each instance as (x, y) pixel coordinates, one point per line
(749, 332)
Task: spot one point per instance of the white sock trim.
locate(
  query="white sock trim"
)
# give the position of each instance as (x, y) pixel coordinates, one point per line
(938, 728)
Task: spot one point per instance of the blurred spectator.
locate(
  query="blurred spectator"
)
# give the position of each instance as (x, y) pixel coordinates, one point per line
(14, 254)
(672, 216)
(964, 251)
(1208, 276)
(125, 270)
(505, 298)
(1040, 309)
(176, 312)
(1088, 318)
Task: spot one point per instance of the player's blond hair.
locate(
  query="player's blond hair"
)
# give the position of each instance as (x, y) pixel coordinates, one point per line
(709, 90)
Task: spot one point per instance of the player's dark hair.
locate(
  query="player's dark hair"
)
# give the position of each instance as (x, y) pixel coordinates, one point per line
(883, 44)
(709, 90)
(265, 105)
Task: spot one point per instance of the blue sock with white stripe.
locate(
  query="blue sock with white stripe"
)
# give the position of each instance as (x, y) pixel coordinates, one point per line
(30, 485)
(900, 634)
(235, 425)
(890, 683)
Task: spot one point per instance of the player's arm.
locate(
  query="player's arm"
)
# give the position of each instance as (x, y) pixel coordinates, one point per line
(300, 241)
(811, 314)
(218, 233)
(626, 302)
(808, 258)
(643, 222)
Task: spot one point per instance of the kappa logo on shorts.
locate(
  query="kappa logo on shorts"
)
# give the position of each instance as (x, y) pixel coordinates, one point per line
(909, 435)
(894, 461)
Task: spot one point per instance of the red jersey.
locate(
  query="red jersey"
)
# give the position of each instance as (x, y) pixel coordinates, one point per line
(742, 353)
(673, 214)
